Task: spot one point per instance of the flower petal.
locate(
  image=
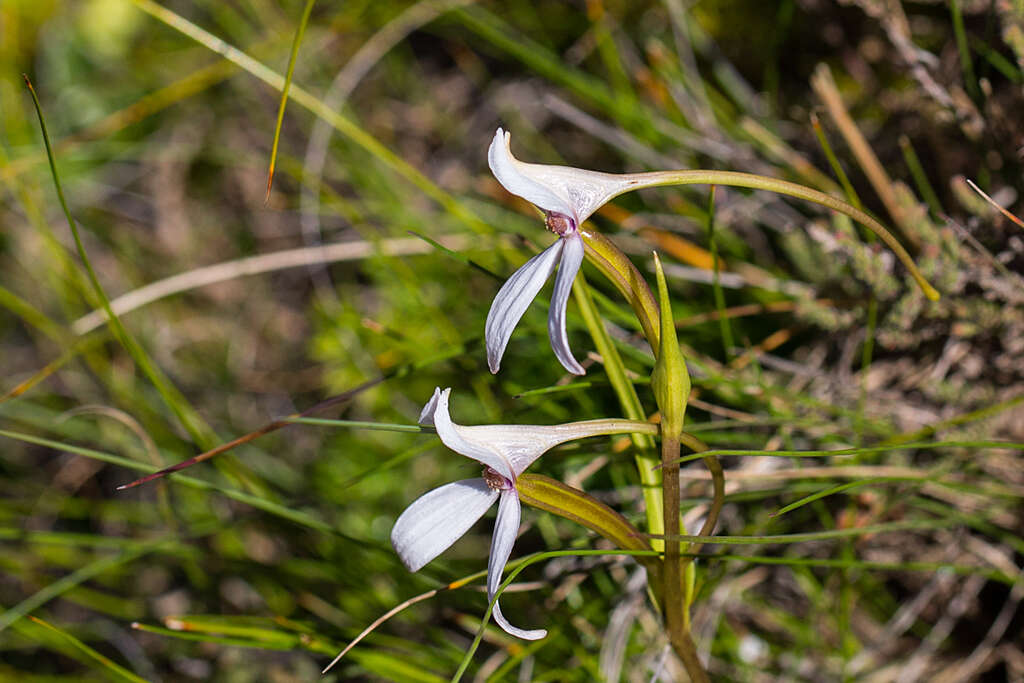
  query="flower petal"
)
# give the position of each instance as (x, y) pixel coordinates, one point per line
(575, 192)
(521, 445)
(452, 436)
(509, 449)
(572, 258)
(514, 298)
(427, 414)
(505, 529)
(509, 172)
(438, 518)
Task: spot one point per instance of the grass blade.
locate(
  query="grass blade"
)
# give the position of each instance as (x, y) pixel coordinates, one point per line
(189, 418)
(299, 32)
(106, 663)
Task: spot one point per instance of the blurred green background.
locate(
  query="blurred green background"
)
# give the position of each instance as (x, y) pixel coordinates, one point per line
(261, 564)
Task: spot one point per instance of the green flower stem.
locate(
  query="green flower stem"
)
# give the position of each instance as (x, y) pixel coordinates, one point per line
(759, 182)
(647, 464)
(621, 272)
(675, 600)
(683, 646)
(670, 381)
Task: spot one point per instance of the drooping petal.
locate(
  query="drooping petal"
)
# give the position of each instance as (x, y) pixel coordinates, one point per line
(452, 437)
(505, 529)
(438, 518)
(575, 192)
(514, 298)
(508, 170)
(572, 258)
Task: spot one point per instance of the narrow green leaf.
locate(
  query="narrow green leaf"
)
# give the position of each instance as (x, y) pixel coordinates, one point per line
(299, 32)
(66, 583)
(824, 494)
(109, 666)
(190, 419)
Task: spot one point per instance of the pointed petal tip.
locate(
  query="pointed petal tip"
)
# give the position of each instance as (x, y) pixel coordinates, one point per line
(459, 439)
(427, 414)
(500, 620)
(518, 178)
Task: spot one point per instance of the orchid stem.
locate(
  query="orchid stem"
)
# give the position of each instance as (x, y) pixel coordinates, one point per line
(759, 182)
(676, 618)
(683, 646)
(674, 602)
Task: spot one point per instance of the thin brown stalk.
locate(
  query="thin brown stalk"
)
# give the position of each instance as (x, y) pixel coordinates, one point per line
(340, 399)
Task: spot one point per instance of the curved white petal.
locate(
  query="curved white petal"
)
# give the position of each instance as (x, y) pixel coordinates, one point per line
(575, 192)
(510, 449)
(572, 258)
(514, 298)
(505, 529)
(521, 445)
(510, 173)
(438, 518)
(427, 414)
(452, 436)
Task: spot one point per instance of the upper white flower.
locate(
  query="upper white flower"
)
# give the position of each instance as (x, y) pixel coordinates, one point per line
(572, 192)
(568, 196)
(440, 517)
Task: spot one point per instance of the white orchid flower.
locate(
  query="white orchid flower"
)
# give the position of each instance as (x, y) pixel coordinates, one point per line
(567, 196)
(440, 517)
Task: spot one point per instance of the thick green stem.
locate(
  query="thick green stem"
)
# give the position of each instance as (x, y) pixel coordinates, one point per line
(683, 646)
(677, 621)
(675, 603)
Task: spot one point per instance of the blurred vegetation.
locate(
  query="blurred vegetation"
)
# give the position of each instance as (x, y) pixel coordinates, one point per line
(263, 563)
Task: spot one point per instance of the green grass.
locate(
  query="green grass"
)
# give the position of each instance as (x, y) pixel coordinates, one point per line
(871, 439)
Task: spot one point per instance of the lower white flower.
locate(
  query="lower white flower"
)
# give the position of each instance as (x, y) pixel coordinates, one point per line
(440, 517)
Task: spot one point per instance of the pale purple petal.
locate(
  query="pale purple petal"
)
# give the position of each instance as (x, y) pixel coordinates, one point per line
(453, 437)
(510, 173)
(521, 445)
(505, 529)
(572, 258)
(427, 414)
(438, 518)
(514, 298)
(508, 449)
